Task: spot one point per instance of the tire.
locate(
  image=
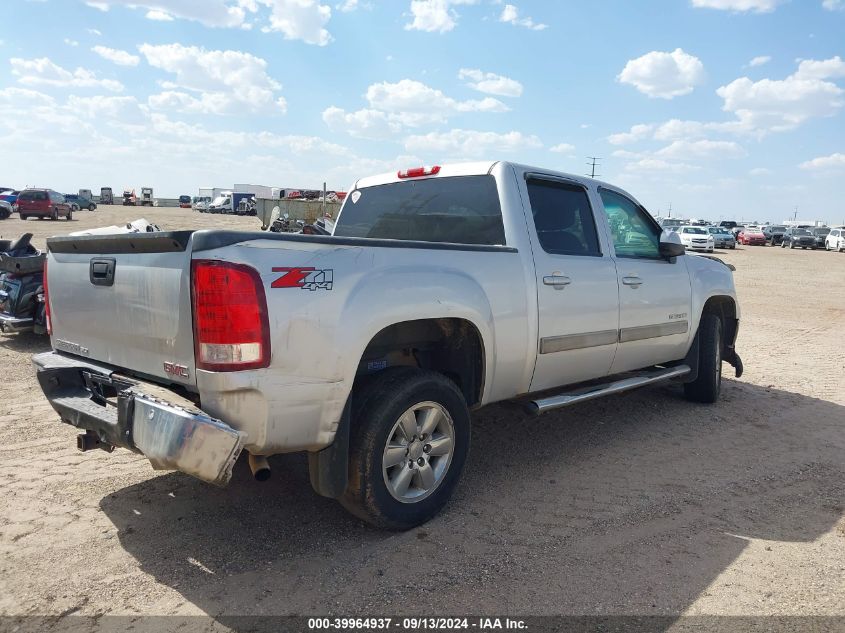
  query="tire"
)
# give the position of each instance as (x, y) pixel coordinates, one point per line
(791, 245)
(706, 387)
(91, 207)
(69, 215)
(378, 407)
(24, 217)
(55, 214)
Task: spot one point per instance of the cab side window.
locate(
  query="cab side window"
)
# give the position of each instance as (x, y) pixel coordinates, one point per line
(563, 218)
(634, 234)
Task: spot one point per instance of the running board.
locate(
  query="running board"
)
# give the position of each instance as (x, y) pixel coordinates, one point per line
(542, 405)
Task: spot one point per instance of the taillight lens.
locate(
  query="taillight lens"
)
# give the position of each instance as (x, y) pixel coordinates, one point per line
(231, 330)
(47, 321)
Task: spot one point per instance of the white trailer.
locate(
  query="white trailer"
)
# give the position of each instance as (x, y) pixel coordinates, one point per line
(259, 191)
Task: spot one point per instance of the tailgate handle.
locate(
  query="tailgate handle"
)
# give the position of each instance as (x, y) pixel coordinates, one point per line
(101, 271)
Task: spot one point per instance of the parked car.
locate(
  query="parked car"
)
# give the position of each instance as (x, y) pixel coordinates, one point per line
(821, 233)
(722, 237)
(473, 284)
(78, 202)
(774, 233)
(728, 224)
(737, 230)
(697, 238)
(43, 203)
(184, 202)
(5, 210)
(10, 196)
(798, 238)
(751, 237)
(835, 240)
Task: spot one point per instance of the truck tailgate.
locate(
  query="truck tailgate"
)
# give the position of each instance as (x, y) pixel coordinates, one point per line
(125, 300)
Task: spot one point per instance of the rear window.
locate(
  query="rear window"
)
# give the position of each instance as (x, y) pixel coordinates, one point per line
(459, 209)
(184, 198)
(33, 195)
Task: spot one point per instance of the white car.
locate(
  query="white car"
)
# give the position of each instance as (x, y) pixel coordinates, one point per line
(835, 240)
(697, 238)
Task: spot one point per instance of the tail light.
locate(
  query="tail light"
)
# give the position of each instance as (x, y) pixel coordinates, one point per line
(417, 172)
(231, 330)
(47, 320)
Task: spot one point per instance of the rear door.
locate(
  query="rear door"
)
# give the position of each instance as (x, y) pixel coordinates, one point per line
(654, 293)
(577, 293)
(124, 300)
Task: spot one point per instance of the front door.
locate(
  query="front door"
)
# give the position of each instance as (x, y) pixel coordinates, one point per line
(577, 292)
(654, 293)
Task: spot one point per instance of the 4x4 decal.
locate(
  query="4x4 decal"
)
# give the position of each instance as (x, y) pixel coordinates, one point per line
(306, 278)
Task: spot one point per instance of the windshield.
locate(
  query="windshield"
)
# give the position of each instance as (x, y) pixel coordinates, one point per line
(779, 229)
(459, 209)
(695, 230)
(801, 232)
(220, 200)
(821, 231)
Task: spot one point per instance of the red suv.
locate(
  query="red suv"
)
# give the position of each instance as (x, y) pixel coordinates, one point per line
(43, 203)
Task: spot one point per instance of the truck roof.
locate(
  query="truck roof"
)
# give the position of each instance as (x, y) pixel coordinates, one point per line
(485, 167)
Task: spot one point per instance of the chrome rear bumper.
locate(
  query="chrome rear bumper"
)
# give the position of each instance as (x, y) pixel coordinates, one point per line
(148, 419)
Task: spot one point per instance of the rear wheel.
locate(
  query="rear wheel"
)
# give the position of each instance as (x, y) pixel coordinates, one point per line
(708, 384)
(91, 207)
(55, 214)
(409, 442)
(69, 215)
(23, 216)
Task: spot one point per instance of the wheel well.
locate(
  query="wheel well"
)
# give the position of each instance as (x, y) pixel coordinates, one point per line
(452, 347)
(725, 308)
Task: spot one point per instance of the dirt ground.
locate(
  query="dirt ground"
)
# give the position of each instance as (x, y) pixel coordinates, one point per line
(639, 504)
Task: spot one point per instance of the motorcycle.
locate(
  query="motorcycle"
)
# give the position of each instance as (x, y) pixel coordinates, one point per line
(22, 301)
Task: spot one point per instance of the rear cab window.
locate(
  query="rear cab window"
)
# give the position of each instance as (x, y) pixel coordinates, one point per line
(455, 209)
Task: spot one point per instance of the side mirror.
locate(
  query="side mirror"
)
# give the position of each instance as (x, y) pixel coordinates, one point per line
(671, 245)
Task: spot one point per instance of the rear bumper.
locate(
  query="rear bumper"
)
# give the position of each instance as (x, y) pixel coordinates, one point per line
(117, 411)
(10, 324)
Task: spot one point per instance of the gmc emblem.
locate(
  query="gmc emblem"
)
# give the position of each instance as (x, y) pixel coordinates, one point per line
(176, 370)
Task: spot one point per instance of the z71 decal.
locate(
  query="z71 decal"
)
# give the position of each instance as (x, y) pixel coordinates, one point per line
(305, 278)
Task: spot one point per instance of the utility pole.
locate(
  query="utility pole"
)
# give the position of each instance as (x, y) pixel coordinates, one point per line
(670, 209)
(795, 215)
(593, 164)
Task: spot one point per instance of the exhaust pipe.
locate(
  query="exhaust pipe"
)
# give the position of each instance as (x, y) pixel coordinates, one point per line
(260, 467)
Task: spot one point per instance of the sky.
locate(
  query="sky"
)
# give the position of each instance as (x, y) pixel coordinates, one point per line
(723, 109)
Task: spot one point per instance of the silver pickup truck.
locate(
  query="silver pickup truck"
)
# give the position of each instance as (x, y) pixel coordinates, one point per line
(441, 290)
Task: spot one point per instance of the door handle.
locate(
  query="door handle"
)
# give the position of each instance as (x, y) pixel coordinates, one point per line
(558, 281)
(634, 282)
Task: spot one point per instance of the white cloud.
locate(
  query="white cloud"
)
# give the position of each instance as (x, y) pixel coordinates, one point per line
(834, 5)
(664, 75)
(821, 69)
(490, 83)
(222, 82)
(510, 15)
(119, 57)
(214, 13)
(760, 60)
(739, 6)
(470, 143)
(759, 171)
(365, 123)
(637, 133)
(43, 72)
(300, 20)
(771, 105)
(71, 42)
(703, 149)
(435, 16)
(834, 162)
(159, 16)
(348, 5)
(417, 103)
(562, 148)
(94, 32)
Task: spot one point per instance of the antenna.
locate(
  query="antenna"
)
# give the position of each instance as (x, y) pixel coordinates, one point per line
(593, 164)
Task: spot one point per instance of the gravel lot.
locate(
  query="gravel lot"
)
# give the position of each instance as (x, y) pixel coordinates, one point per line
(638, 504)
